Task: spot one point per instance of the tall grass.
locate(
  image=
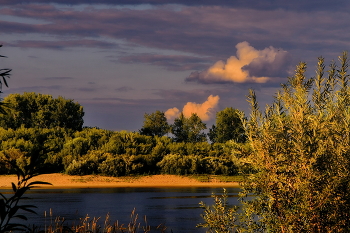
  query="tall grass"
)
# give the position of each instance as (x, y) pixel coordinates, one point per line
(97, 225)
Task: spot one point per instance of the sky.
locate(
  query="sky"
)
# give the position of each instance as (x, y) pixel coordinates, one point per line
(121, 59)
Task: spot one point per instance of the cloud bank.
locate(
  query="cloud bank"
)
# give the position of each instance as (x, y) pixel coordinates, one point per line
(249, 65)
(204, 110)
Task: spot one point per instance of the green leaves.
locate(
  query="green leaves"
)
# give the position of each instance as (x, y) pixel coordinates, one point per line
(219, 217)
(33, 110)
(188, 129)
(301, 154)
(228, 126)
(155, 124)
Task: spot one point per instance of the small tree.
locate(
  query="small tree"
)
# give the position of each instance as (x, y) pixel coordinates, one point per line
(301, 154)
(188, 129)
(38, 110)
(219, 217)
(155, 124)
(228, 127)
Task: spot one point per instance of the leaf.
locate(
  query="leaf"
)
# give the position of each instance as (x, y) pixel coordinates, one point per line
(14, 188)
(5, 82)
(13, 211)
(20, 192)
(3, 197)
(38, 182)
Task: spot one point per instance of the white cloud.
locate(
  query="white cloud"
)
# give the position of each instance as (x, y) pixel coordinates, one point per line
(249, 65)
(204, 110)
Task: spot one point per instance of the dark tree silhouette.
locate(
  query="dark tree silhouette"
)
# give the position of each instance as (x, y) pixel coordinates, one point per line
(4, 74)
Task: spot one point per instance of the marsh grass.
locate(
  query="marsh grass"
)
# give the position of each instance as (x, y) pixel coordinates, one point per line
(97, 225)
(83, 179)
(131, 179)
(99, 178)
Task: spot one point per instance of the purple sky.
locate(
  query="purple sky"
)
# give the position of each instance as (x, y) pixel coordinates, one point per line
(122, 58)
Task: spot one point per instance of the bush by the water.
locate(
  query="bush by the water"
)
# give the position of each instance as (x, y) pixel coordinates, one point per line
(98, 151)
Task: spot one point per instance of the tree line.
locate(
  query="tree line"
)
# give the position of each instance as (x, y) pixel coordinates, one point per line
(37, 124)
(112, 153)
(228, 127)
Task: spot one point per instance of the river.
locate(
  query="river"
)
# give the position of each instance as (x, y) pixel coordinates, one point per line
(176, 208)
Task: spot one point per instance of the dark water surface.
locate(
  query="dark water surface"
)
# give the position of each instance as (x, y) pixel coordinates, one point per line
(177, 208)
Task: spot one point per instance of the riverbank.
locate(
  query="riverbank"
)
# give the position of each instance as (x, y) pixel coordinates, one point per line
(60, 181)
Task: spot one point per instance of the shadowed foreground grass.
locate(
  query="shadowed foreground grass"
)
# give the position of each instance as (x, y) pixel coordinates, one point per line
(97, 225)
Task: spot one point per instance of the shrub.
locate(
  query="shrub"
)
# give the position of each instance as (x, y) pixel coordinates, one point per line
(114, 165)
(301, 155)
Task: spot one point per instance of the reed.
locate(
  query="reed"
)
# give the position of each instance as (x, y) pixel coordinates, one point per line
(96, 225)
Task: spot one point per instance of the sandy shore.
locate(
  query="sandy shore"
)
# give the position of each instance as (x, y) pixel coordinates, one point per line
(59, 181)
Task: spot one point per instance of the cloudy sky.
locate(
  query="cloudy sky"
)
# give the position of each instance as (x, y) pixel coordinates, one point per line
(121, 59)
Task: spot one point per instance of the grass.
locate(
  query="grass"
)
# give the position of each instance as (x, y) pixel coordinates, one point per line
(131, 179)
(91, 178)
(220, 178)
(96, 225)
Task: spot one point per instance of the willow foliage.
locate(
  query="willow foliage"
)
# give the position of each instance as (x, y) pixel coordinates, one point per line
(301, 155)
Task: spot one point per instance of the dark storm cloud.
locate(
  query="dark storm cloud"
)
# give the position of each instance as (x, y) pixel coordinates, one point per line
(60, 45)
(297, 5)
(171, 62)
(209, 30)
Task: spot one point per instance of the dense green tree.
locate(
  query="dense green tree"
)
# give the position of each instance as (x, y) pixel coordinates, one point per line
(228, 127)
(195, 129)
(301, 155)
(37, 110)
(179, 129)
(188, 129)
(155, 124)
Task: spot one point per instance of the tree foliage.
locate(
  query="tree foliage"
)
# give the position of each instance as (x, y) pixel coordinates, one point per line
(188, 129)
(301, 155)
(219, 217)
(98, 151)
(37, 110)
(155, 124)
(228, 126)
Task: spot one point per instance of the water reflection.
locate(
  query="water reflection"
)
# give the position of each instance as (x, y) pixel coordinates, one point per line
(177, 208)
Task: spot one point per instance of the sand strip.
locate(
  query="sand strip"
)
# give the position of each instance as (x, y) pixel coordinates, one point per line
(60, 181)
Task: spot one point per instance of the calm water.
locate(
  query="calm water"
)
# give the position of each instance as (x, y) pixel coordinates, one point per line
(177, 208)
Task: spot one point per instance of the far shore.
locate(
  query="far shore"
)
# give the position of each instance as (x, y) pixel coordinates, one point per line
(63, 181)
